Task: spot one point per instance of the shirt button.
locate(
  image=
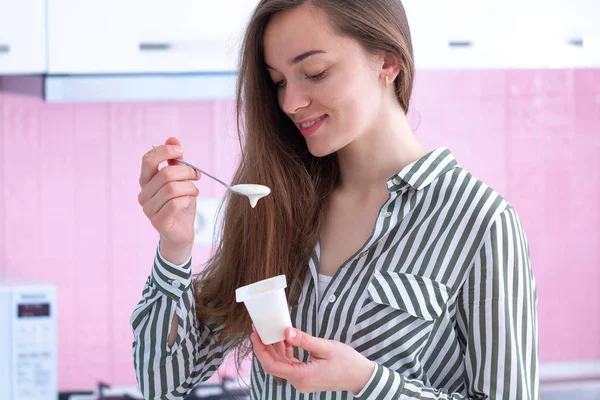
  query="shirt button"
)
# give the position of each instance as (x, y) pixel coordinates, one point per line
(332, 298)
(363, 254)
(175, 283)
(387, 214)
(397, 181)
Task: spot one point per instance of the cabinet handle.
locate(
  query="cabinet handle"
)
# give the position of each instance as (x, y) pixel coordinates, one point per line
(155, 46)
(460, 43)
(4, 48)
(577, 42)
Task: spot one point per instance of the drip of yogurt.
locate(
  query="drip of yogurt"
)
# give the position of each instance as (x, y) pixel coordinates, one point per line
(251, 191)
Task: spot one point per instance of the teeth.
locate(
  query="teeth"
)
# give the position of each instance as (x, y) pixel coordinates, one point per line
(311, 123)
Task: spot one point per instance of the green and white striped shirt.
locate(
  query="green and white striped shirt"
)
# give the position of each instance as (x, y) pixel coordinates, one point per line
(441, 297)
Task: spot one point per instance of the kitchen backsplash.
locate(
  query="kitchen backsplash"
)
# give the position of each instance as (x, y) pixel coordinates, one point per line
(69, 186)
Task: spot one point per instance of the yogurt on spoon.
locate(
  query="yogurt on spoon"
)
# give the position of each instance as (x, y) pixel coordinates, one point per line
(251, 191)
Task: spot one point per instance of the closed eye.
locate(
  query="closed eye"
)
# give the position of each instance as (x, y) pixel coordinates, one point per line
(317, 76)
(280, 84)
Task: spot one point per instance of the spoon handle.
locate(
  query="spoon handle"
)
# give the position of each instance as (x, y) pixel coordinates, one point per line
(204, 172)
(199, 170)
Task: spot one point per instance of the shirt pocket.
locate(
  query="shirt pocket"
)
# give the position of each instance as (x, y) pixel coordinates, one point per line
(416, 295)
(397, 317)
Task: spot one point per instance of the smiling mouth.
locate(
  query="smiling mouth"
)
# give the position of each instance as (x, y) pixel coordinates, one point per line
(310, 123)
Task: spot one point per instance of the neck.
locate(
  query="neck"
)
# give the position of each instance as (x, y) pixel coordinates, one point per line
(388, 147)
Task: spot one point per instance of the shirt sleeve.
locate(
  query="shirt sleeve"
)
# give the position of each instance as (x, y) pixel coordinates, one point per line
(497, 322)
(165, 372)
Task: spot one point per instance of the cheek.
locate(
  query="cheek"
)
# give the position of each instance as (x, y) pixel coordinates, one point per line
(355, 111)
(344, 96)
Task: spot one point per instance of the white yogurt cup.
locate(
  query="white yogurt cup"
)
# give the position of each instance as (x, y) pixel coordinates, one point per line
(268, 308)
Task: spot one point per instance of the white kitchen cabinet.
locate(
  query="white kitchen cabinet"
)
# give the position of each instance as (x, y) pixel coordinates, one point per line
(145, 36)
(454, 34)
(22, 36)
(554, 34)
(473, 34)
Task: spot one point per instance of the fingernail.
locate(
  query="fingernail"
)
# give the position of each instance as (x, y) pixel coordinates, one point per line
(292, 333)
(178, 149)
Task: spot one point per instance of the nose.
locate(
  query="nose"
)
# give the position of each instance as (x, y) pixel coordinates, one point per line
(292, 99)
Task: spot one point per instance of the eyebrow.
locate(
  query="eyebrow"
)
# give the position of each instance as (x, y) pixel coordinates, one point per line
(301, 57)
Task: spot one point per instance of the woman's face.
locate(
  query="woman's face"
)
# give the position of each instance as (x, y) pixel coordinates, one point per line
(327, 84)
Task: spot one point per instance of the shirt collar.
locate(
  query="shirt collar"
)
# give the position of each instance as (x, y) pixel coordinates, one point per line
(425, 170)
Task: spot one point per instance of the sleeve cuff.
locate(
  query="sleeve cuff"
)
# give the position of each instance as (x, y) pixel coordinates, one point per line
(362, 392)
(384, 384)
(171, 279)
(170, 264)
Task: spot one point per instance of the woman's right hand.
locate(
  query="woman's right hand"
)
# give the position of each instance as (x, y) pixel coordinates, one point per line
(168, 199)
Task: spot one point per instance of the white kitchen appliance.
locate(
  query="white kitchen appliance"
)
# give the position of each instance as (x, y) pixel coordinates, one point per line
(28, 345)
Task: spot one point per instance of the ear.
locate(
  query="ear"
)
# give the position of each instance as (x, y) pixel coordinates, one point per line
(390, 66)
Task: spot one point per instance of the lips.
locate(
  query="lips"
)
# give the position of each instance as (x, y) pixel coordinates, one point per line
(309, 126)
(311, 123)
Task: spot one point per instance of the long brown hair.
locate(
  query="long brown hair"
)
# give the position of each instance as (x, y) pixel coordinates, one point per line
(279, 235)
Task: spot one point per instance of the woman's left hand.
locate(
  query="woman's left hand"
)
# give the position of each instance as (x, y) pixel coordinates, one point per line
(333, 366)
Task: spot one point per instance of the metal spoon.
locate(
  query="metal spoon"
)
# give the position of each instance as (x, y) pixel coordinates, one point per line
(251, 191)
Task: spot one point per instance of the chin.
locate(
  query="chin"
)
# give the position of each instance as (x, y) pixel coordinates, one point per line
(324, 146)
(318, 150)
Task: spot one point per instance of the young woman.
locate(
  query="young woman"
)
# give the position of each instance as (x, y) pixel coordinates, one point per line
(408, 278)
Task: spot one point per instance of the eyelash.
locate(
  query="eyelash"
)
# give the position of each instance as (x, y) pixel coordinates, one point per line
(314, 78)
(318, 76)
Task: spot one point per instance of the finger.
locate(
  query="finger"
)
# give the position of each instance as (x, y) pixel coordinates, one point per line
(168, 192)
(166, 214)
(273, 352)
(317, 347)
(289, 352)
(285, 352)
(152, 159)
(276, 351)
(273, 349)
(170, 173)
(268, 360)
(261, 351)
(279, 348)
(173, 141)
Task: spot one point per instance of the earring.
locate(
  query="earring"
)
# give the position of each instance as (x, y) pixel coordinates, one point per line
(387, 82)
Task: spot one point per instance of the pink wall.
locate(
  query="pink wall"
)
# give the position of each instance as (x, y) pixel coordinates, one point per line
(69, 212)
